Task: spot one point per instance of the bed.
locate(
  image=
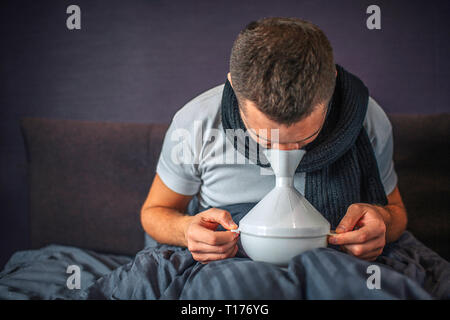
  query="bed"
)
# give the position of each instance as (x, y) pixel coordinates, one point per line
(87, 181)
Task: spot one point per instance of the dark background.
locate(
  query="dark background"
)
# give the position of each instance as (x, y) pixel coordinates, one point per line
(140, 61)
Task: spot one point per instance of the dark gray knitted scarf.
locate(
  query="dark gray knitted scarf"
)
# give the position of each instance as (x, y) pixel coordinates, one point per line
(340, 164)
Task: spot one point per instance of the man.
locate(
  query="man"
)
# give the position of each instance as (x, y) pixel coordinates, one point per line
(283, 77)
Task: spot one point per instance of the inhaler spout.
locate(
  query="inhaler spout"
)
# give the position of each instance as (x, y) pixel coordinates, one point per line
(284, 162)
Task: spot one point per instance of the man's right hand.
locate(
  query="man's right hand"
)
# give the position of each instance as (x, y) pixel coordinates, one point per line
(204, 242)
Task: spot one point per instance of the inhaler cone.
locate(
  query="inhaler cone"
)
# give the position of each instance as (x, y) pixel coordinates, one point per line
(284, 162)
(283, 224)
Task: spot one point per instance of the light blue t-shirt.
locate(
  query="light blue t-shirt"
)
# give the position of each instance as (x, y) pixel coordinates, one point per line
(195, 157)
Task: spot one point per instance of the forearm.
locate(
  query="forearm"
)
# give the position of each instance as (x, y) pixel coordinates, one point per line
(165, 225)
(395, 218)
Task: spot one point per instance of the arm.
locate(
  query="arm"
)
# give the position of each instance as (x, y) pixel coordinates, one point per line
(162, 215)
(163, 218)
(366, 228)
(394, 216)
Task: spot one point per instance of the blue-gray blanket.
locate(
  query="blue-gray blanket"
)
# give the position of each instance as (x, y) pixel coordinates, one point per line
(407, 270)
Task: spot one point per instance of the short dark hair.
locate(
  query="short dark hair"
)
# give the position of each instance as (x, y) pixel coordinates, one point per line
(285, 66)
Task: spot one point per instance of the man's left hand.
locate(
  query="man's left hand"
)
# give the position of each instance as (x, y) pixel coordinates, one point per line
(362, 231)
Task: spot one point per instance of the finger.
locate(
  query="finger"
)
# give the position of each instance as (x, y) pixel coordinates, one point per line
(235, 251)
(372, 257)
(368, 248)
(208, 257)
(351, 218)
(229, 254)
(200, 247)
(220, 216)
(361, 235)
(210, 237)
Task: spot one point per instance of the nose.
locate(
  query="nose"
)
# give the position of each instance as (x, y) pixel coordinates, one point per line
(286, 146)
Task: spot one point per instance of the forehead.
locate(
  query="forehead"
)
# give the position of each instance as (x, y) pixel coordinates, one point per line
(256, 120)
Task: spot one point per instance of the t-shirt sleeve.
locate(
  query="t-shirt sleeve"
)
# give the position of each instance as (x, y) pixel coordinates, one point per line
(176, 166)
(379, 130)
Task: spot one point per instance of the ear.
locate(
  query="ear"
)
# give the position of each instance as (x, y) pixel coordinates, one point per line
(229, 78)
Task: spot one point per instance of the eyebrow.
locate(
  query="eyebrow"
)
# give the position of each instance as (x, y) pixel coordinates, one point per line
(268, 141)
(259, 137)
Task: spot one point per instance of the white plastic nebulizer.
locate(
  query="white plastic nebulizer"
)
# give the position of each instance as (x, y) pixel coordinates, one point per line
(283, 224)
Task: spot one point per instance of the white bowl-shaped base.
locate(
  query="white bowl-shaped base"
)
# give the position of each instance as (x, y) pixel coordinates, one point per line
(277, 250)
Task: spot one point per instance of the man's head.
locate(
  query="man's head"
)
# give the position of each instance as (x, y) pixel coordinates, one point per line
(283, 73)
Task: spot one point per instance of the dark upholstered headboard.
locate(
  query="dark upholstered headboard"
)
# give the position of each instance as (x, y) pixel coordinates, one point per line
(422, 162)
(88, 180)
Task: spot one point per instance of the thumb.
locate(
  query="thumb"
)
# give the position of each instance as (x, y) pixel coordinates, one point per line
(352, 216)
(222, 217)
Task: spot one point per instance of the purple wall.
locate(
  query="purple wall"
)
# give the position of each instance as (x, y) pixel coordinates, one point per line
(140, 61)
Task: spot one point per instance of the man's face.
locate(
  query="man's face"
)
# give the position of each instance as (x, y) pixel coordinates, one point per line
(295, 136)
